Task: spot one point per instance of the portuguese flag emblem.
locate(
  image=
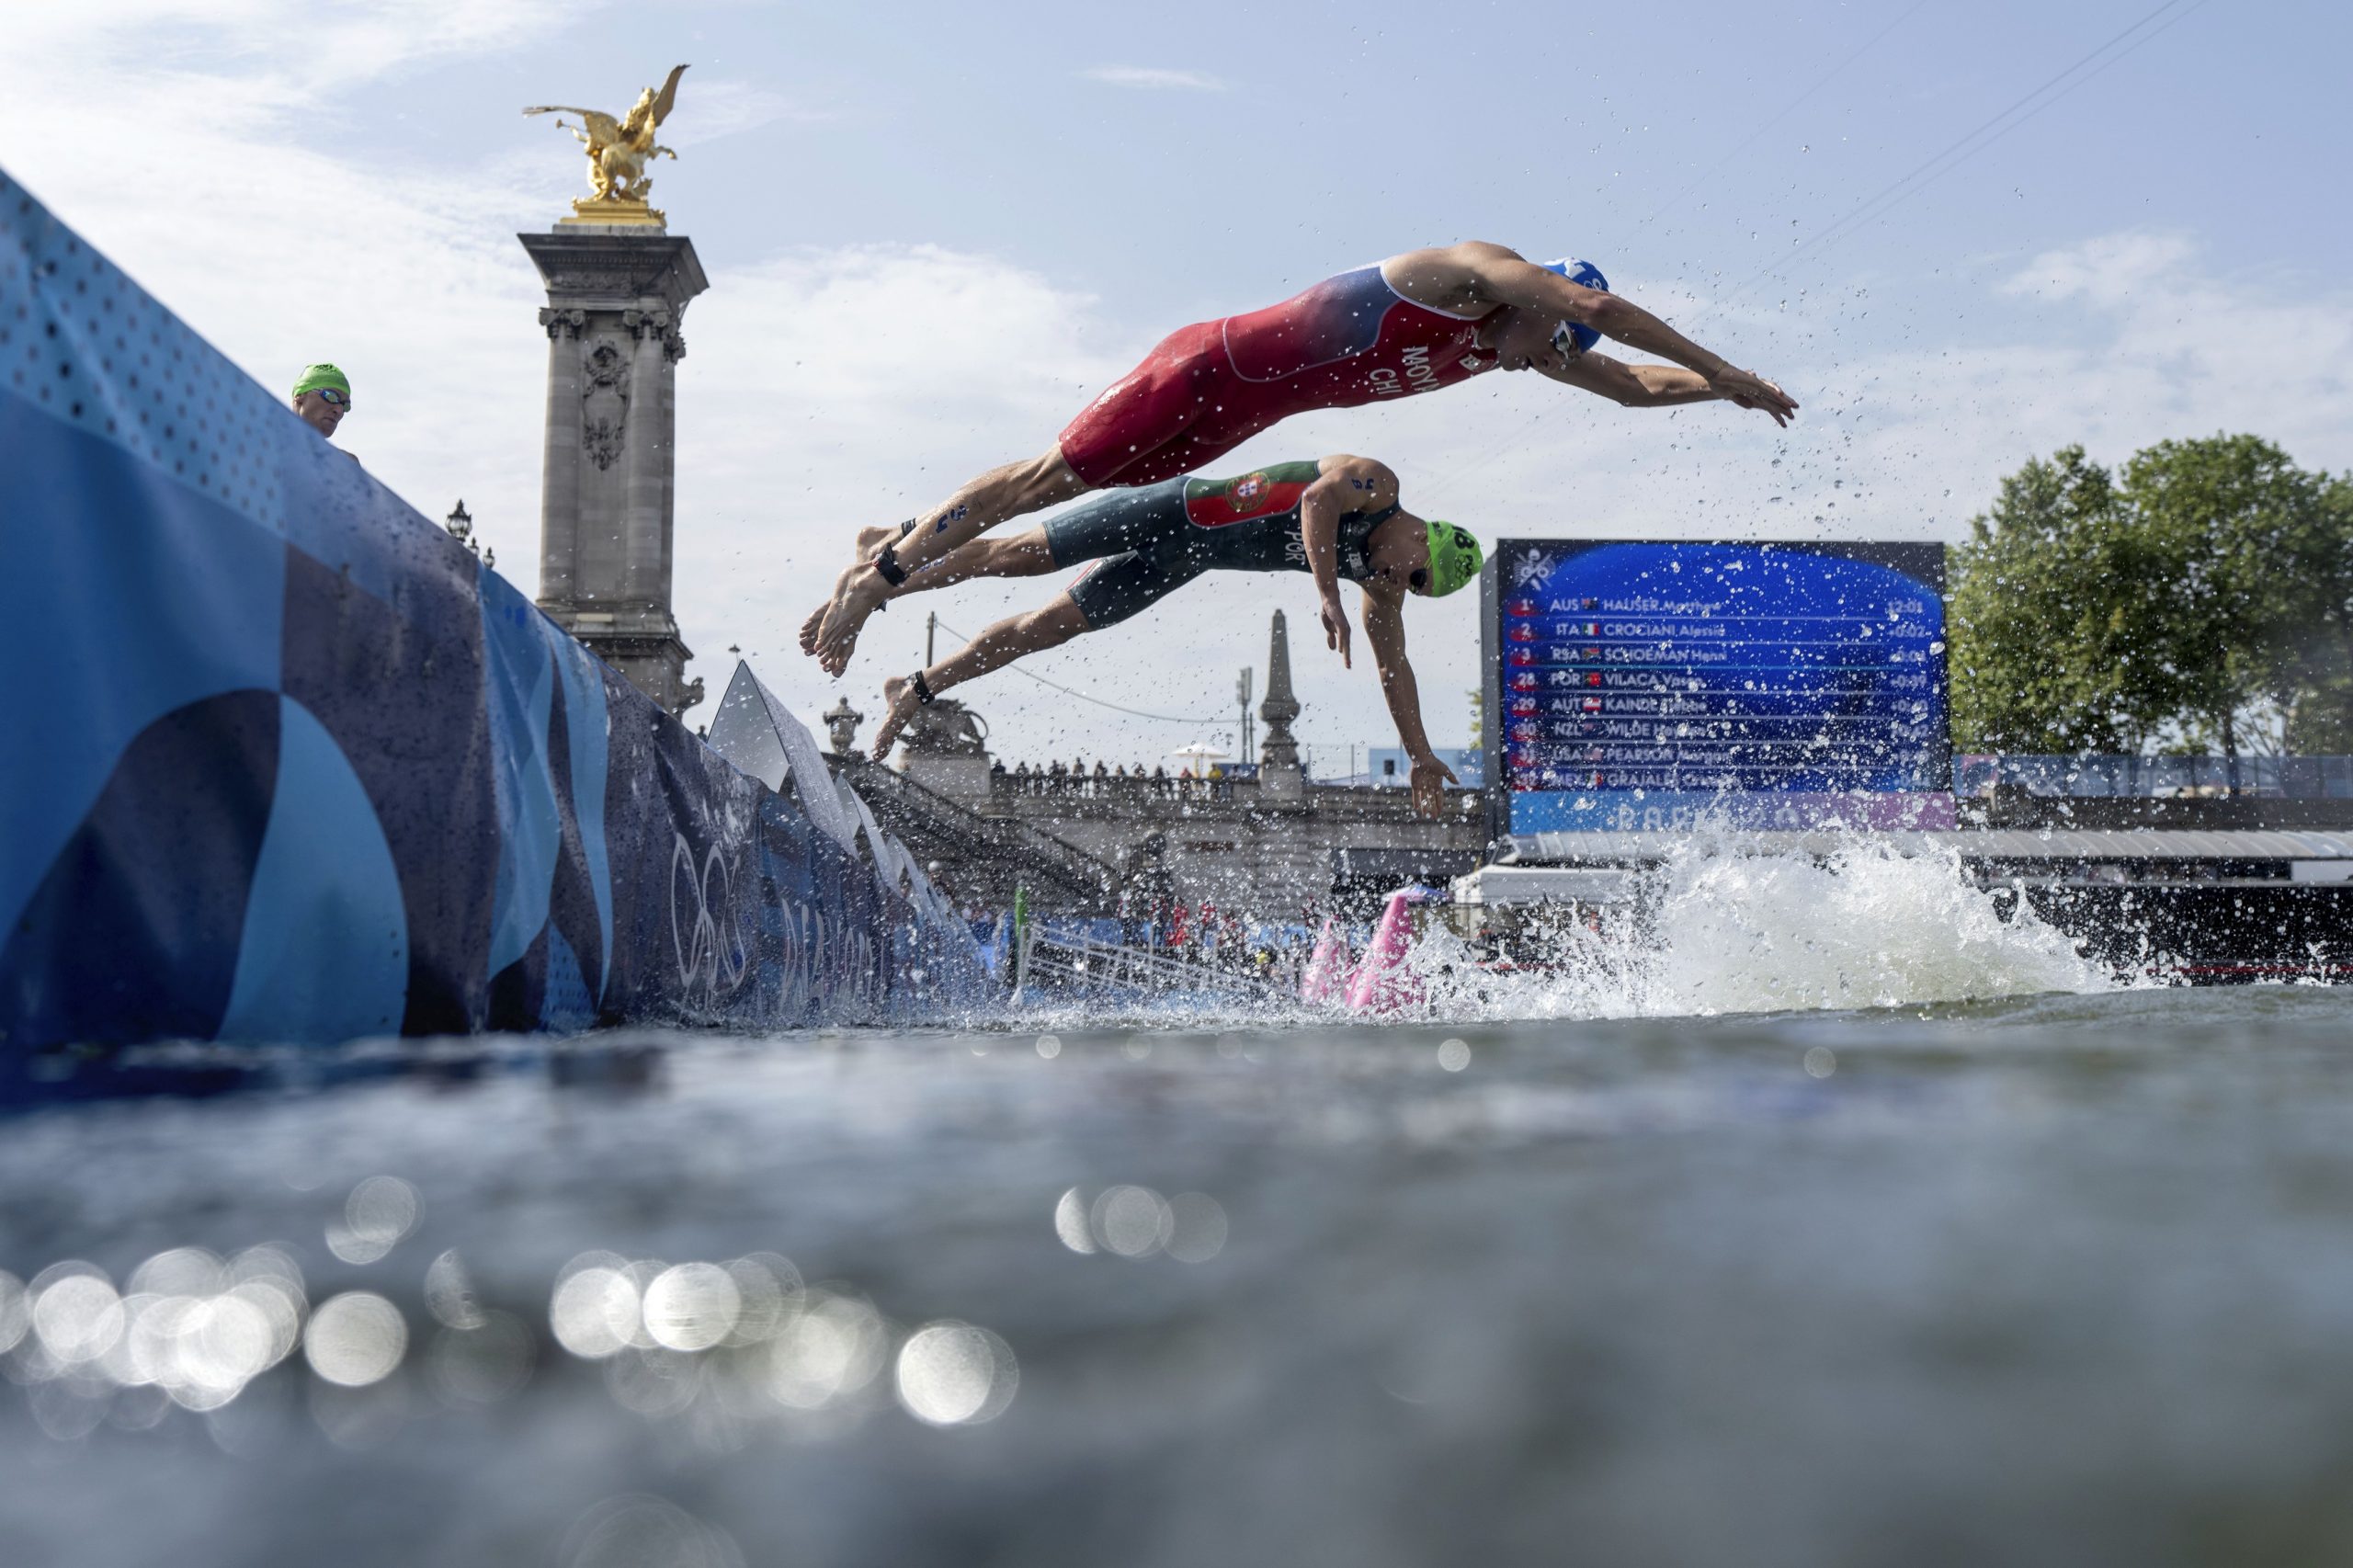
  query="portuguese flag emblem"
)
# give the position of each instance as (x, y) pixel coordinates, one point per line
(1213, 503)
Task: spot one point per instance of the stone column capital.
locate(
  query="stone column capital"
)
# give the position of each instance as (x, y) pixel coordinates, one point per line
(660, 325)
(562, 322)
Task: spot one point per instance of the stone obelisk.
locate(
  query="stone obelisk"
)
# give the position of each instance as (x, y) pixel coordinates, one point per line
(1278, 772)
(618, 288)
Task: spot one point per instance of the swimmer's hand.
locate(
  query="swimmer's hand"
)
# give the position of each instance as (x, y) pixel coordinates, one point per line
(1752, 391)
(1430, 779)
(1336, 627)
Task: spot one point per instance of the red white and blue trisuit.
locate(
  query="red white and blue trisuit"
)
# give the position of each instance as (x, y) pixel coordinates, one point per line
(1207, 387)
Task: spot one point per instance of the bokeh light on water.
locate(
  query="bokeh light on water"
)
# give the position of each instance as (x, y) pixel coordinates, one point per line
(187, 1329)
(380, 1211)
(745, 1340)
(876, 1299)
(952, 1374)
(636, 1531)
(356, 1339)
(1137, 1222)
(829, 1352)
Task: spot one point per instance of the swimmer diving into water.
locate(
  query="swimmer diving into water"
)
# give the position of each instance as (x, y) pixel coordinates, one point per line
(1336, 517)
(1417, 321)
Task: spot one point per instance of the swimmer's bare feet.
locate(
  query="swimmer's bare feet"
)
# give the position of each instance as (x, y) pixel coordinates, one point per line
(900, 693)
(869, 539)
(858, 593)
(816, 621)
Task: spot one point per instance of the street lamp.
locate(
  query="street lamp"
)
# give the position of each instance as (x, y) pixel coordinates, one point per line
(460, 524)
(1241, 696)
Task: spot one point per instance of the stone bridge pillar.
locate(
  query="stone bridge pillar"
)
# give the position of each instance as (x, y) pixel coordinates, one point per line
(615, 296)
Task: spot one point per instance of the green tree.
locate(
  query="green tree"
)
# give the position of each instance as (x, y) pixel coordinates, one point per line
(2041, 647)
(2241, 603)
(2312, 653)
(2204, 601)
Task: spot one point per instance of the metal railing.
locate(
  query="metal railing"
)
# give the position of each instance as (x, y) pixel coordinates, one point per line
(1035, 850)
(1111, 787)
(1063, 959)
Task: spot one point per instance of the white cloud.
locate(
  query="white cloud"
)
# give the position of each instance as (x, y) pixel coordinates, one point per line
(2110, 270)
(709, 110)
(1156, 77)
(278, 51)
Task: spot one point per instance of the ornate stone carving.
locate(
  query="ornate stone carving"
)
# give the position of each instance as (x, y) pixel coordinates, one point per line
(604, 415)
(659, 325)
(605, 367)
(841, 725)
(601, 440)
(562, 322)
(946, 728)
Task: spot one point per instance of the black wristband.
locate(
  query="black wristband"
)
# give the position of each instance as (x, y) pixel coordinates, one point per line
(907, 528)
(923, 688)
(887, 564)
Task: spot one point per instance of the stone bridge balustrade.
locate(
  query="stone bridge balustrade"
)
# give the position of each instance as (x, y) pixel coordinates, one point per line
(1267, 841)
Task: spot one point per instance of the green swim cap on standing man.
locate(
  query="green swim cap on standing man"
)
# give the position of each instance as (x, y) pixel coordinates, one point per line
(317, 377)
(1454, 558)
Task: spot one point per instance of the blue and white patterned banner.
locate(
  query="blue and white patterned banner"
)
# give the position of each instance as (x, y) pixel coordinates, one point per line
(283, 761)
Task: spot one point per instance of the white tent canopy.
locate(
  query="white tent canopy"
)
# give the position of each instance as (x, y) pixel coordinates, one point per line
(1197, 756)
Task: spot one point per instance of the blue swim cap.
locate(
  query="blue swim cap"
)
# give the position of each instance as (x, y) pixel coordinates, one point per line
(1583, 272)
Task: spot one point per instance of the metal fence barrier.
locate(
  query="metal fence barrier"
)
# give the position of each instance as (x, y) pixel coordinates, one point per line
(2157, 777)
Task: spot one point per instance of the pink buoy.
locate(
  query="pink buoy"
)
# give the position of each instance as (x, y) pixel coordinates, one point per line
(1383, 983)
(1326, 977)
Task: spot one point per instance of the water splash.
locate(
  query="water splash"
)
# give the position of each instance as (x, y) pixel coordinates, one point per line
(1715, 932)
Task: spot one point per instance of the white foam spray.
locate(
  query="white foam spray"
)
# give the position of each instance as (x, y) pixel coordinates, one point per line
(1723, 932)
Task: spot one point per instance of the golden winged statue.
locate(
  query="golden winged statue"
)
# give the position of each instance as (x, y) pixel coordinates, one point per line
(618, 150)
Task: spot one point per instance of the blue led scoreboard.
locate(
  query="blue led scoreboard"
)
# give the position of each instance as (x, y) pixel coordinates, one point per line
(1645, 685)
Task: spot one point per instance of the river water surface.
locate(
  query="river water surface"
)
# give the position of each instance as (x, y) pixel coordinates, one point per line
(2062, 1279)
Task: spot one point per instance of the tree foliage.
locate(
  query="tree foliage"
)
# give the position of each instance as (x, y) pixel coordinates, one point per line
(2201, 600)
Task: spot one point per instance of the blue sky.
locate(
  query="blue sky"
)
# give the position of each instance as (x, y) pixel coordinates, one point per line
(934, 230)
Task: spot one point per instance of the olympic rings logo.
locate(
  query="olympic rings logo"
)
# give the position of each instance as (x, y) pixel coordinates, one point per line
(713, 955)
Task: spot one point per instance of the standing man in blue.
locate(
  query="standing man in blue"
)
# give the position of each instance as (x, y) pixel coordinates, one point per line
(1415, 323)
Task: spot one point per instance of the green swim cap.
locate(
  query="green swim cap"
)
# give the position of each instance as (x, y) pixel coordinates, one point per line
(318, 376)
(1454, 558)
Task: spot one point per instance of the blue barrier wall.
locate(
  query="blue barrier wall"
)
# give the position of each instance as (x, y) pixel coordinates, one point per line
(279, 760)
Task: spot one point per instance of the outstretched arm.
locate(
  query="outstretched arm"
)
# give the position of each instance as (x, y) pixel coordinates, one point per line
(1384, 628)
(1506, 279)
(1345, 484)
(1633, 386)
